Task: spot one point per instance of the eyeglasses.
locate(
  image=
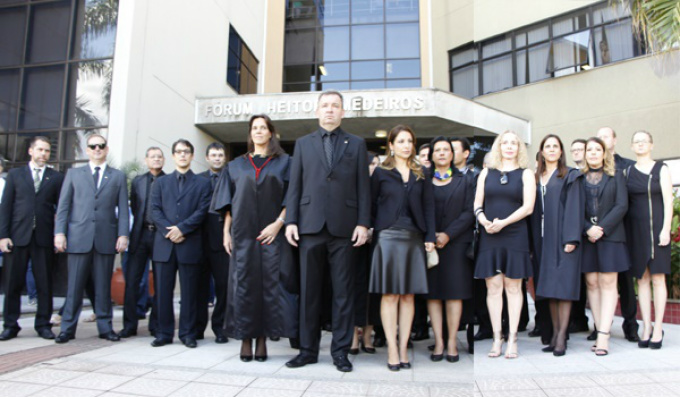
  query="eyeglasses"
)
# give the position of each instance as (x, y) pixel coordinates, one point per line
(101, 146)
(183, 151)
(504, 178)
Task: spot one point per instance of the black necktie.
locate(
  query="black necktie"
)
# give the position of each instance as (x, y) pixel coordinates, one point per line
(96, 177)
(181, 182)
(328, 148)
(213, 180)
(147, 211)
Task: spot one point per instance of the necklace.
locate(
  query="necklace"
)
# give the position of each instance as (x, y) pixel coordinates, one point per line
(446, 176)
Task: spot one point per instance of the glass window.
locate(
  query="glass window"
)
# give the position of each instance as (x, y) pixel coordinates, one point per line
(95, 33)
(570, 24)
(569, 51)
(368, 42)
(12, 24)
(334, 43)
(89, 94)
(497, 74)
(368, 11)
(497, 46)
(409, 83)
(7, 143)
(338, 86)
(300, 46)
(368, 70)
(302, 73)
(465, 81)
(403, 40)
(301, 13)
(48, 32)
(402, 69)
(532, 64)
(333, 12)
(42, 96)
(464, 57)
(367, 85)
(614, 42)
(241, 65)
(608, 13)
(298, 87)
(9, 99)
(334, 71)
(401, 10)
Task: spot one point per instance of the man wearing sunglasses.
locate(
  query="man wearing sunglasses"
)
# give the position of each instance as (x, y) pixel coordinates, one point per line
(89, 229)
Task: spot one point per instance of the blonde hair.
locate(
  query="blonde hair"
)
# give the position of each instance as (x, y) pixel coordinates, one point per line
(390, 162)
(496, 157)
(609, 167)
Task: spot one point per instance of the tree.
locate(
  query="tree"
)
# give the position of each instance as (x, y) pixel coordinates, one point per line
(657, 22)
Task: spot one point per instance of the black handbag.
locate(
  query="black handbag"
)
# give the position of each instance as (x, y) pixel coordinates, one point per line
(472, 249)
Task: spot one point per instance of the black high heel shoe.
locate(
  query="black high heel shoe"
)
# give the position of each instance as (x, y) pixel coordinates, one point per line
(656, 345)
(643, 344)
(369, 350)
(393, 367)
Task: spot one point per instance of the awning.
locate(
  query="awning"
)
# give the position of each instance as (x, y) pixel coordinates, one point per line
(430, 112)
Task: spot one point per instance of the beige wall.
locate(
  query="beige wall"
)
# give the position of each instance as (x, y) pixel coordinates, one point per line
(272, 72)
(452, 26)
(167, 55)
(642, 93)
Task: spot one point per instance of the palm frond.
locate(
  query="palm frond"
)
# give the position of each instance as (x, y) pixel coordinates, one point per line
(656, 22)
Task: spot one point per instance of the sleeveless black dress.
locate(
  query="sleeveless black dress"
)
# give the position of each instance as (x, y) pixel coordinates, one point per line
(506, 252)
(644, 222)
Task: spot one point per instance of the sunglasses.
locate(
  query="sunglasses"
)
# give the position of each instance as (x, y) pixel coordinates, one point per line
(504, 178)
(101, 146)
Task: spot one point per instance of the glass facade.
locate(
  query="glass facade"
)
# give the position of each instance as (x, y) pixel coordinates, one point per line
(55, 75)
(566, 44)
(241, 65)
(351, 44)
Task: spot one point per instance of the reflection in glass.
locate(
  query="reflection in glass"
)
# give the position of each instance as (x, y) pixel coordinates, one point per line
(333, 12)
(95, 33)
(403, 40)
(12, 24)
(367, 85)
(334, 44)
(89, 94)
(401, 10)
(300, 46)
(368, 42)
(409, 83)
(367, 11)
(9, 99)
(42, 96)
(368, 70)
(334, 71)
(48, 32)
(403, 69)
(75, 142)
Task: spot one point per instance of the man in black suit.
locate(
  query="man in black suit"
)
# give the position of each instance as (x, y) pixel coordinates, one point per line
(29, 202)
(93, 216)
(216, 260)
(179, 204)
(141, 239)
(328, 214)
(625, 279)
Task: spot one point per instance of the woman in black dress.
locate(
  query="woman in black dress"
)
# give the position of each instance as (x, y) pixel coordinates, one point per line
(648, 223)
(251, 192)
(451, 280)
(403, 220)
(604, 252)
(505, 196)
(556, 228)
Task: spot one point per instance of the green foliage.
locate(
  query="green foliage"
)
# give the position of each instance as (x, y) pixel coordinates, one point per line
(657, 22)
(674, 281)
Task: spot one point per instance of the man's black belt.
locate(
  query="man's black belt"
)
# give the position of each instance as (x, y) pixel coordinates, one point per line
(149, 226)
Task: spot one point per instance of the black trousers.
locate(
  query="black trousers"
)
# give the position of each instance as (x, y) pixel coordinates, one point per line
(80, 268)
(628, 303)
(137, 263)
(321, 253)
(16, 265)
(165, 273)
(216, 265)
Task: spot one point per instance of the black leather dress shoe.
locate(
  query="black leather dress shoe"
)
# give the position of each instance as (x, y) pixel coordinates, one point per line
(481, 335)
(126, 333)
(221, 339)
(593, 335)
(190, 342)
(354, 352)
(632, 337)
(342, 364)
(46, 333)
(158, 342)
(534, 332)
(63, 337)
(301, 361)
(110, 336)
(9, 333)
(294, 343)
(200, 336)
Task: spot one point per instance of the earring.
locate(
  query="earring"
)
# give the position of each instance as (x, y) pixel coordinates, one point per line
(391, 153)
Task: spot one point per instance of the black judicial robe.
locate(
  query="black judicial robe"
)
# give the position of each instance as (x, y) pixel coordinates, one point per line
(557, 274)
(256, 302)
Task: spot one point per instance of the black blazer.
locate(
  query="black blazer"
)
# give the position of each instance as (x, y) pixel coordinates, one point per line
(21, 204)
(186, 211)
(338, 196)
(613, 207)
(138, 199)
(213, 226)
(387, 193)
(459, 219)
